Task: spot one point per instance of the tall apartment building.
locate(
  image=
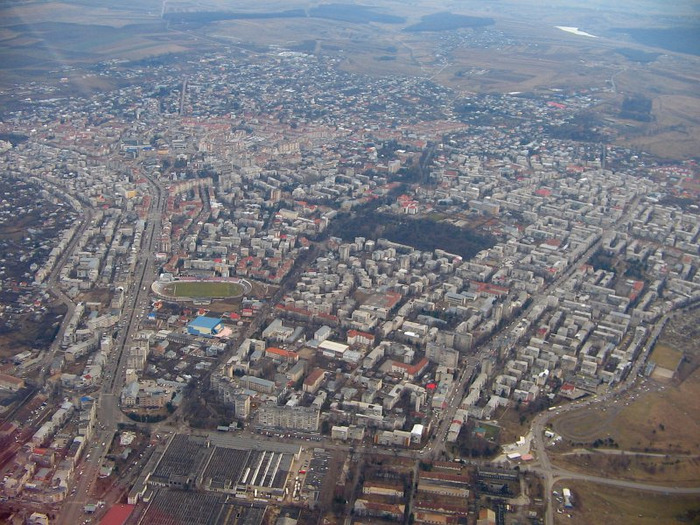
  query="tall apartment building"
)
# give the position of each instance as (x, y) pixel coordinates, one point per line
(291, 418)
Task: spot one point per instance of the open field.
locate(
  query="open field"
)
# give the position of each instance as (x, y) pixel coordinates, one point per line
(602, 505)
(38, 38)
(660, 419)
(675, 471)
(30, 332)
(74, 12)
(511, 425)
(491, 432)
(650, 418)
(671, 82)
(666, 356)
(208, 289)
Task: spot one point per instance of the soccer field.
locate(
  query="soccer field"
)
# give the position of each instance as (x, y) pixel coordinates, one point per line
(208, 289)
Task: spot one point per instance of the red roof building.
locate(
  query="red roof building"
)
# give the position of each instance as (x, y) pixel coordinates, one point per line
(278, 354)
(410, 371)
(355, 337)
(117, 514)
(313, 381)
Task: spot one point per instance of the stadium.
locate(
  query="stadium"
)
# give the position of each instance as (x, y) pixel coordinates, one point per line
(193, 289)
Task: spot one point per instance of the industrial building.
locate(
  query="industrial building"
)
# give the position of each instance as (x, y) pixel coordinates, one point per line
(205, 326)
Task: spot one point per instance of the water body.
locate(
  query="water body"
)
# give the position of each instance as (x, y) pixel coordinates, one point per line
(575, 31)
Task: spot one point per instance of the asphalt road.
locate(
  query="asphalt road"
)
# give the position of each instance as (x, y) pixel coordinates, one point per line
(552, 474)
(108, 412)
(55, 290)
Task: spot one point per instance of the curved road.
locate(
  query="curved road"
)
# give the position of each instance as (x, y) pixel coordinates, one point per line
(552, 474)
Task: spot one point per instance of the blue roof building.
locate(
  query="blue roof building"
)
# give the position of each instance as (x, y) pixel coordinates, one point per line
(205, 326)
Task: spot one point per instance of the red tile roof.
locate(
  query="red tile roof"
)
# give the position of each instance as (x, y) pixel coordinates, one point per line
(117, 514)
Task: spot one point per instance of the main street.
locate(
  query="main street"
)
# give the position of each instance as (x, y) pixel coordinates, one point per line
(108, 412)
(501, 340)
(552, 474)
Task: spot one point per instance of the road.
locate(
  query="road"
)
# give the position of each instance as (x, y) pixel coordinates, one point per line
(290, 280)
(500, 340)
(552, 474)
(53, 287)
(135, 306)
(183, 97)
(85, 477)
(108, 412)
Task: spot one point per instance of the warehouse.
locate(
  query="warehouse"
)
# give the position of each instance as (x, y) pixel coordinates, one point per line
(205, 326)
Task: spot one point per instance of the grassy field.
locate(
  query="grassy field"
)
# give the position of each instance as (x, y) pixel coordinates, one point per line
(653, 417)
(669, 420)
(666, 356)
(38, 37)
(211, 290)
(36, 12)
(492, 431)
(602, 505)
(663, 419)
(671, 471)
(511, 426)
(31, 332)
